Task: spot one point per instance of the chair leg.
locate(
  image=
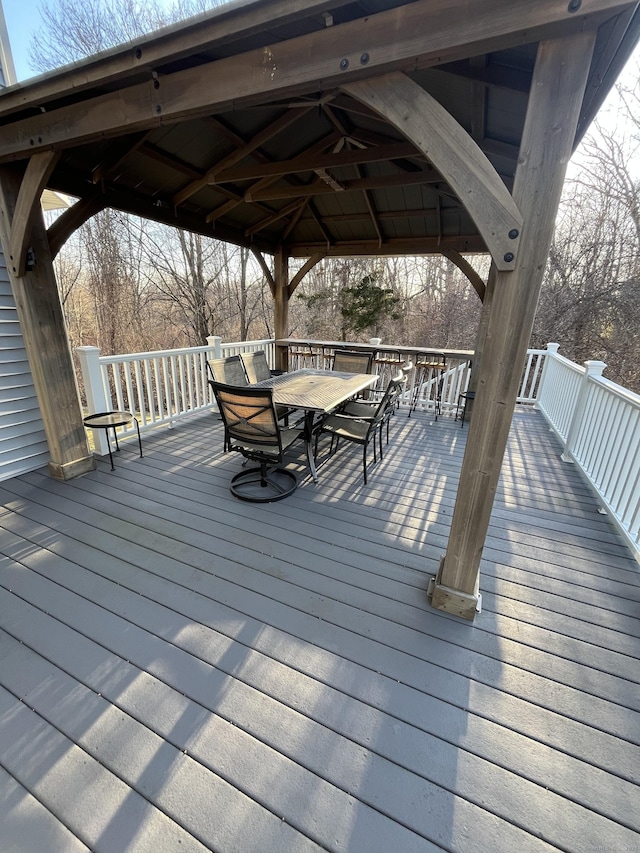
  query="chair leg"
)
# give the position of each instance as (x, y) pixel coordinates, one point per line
(364, 461)
(418, 378)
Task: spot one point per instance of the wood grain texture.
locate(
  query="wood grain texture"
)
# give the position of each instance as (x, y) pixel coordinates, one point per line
(424, 33)
(552, 116)
(454, 155)
(42, 323)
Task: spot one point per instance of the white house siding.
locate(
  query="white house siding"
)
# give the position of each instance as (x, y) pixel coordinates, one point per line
(23, 445)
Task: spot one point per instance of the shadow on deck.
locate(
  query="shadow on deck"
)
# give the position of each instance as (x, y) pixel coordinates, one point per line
(183, 671)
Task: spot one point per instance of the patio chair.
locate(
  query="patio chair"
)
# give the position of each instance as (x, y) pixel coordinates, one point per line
(229, 370)
(252, 429)
(361, 430)
(348, 361)
(366, 409)
(257, 369)
(256, 366)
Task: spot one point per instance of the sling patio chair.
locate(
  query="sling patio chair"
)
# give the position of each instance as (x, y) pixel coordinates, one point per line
(252, 429)
(366, 409)
(229, 370)
(362, 430)
(349, 361)
(257, 369)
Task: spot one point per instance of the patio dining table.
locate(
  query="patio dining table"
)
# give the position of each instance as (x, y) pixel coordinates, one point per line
(316, 392)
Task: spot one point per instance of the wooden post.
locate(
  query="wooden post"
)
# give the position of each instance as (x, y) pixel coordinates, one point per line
(557, 89)
(45, 338)
(281, 302)
(481, 334)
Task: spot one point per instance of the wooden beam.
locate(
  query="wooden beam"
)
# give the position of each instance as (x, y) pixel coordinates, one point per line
(421, 213)
(265, 269)
(478, 103)
(43, 330)
(424, 33)
(69, 221)
(266, 182)
(310, 264)
(319, 220)
(465, 267)
(273, 129)
(492, 76)
(38, 171)
(158, 210)
(560, 77)
(297, 216)
(171, 161)
(352, 185)
(275, 217)
(310, 162)
(454, 154)
(210, 31)
(281, 300)
(118, 151)
(466, 244)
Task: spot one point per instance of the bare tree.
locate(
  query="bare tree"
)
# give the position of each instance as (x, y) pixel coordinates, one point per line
(590, 301)
(75, 29)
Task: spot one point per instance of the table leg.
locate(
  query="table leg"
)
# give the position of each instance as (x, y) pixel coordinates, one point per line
(135, 420)
(109, 446)
(308, 437)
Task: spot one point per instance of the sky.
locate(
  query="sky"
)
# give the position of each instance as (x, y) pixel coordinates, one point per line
(23, 19)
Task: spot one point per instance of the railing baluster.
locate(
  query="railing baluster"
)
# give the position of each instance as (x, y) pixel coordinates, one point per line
(598, 421)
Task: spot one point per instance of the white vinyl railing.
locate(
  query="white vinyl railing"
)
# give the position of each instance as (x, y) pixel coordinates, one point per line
(163, 386)
(597, 420)
(599, 425)
(158, 387)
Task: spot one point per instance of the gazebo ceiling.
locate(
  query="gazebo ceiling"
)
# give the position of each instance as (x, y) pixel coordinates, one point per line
(238, 125)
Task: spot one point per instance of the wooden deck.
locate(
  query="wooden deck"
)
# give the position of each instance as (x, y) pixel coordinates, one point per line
(180, 671)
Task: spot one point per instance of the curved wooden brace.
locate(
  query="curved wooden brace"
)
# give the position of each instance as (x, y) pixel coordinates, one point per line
(465, 267)
(265, 269)
(69, 221)
(454, 154)
(310, 264)
(35, 178)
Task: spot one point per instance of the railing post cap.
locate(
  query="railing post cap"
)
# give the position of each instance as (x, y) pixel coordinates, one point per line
(553, 347)
(595, 368)
(87, 349)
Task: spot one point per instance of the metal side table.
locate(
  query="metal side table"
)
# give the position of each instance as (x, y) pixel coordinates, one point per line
(112, 420)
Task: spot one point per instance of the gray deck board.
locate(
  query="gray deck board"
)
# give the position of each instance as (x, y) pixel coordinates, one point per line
(273, 677)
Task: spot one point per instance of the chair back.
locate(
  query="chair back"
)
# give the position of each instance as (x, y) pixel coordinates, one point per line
(250, 420)
(388, 402)
(348, 361)
(229, 371)
(256, 366)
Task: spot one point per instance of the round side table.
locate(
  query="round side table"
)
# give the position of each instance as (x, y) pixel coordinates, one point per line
(111, 420)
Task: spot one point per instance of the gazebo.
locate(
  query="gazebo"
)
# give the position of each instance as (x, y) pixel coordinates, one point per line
(310, 130)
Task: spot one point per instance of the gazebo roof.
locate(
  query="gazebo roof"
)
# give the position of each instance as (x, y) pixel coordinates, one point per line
(239, 124)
